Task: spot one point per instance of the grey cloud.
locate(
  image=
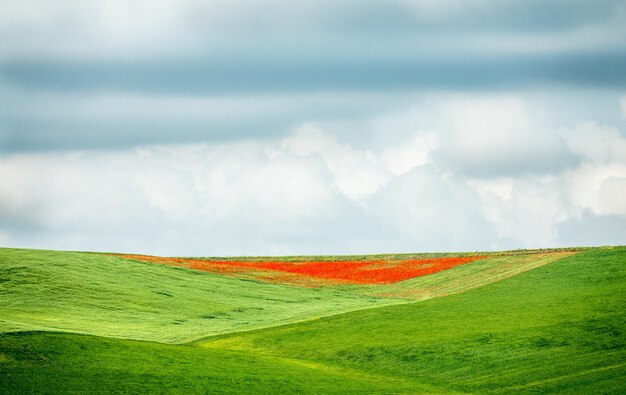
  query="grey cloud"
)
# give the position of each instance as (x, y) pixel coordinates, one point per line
(520, 15)
(593, 230)
(43, 135)
(515, 161)
(37, 122)
(500, 136)
(191, 25)
(206, 200)
(237, 77)
(259, 197)
(288, 53)
(276, 73)
(520, 164)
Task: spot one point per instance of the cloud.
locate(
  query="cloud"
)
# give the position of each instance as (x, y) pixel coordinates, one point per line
(432, 212)
(356, 173)
(305, 193)
(114, 28)
(411, 154)
(239, 47)
(459, 184)
(320, 70)
(535, 209)
(136, 193)
(115, 74)
(599, 183)
(596, 143)
(361, 173)
(611, 195)
(527, 210)
(231, 127)
(598, 188)
(498, 135)
(121, 29)
(593, 230)
(39, 121)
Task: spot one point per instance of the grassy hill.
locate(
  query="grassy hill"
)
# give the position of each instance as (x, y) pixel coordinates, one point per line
(105, 295)
(490, 326)
(560, 327)
(108, 296)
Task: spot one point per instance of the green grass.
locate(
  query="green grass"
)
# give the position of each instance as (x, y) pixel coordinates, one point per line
(105, 295)
(63, 363)
(108, 296)
(462, 278)
(557, 328)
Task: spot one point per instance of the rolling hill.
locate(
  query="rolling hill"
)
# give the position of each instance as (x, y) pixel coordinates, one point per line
(527, 321)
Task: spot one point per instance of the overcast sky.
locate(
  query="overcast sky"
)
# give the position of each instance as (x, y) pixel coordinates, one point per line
(248, 127)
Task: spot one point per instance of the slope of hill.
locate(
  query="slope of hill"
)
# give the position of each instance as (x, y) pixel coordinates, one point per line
(557, 328)
(108, 296)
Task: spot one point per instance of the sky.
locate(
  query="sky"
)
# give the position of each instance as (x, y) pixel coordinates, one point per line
(249, 127)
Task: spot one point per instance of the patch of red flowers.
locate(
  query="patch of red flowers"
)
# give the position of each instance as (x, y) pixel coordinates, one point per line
(339, 272)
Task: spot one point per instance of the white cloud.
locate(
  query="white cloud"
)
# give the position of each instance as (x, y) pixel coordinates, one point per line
(527, 210)
(599, 183)
(311, 192)
(531, 209)
(235, 197)
(357, 173)
(361, 173)
(142, 193)
(432, 211)
(612, 195)
(498, 135)
(596, 143)
(622, 105)
(415, 152)
(599, 188)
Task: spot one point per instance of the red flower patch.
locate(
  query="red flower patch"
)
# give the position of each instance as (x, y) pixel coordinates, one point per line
(320, 272)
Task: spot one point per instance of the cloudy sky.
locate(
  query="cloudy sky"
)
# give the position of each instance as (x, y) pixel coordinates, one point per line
(247, 127)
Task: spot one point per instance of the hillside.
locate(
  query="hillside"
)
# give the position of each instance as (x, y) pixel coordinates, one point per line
(490, 325)
(107, 295)
(557, 328)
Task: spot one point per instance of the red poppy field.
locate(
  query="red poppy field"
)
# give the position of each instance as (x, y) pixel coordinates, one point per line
(317, 273)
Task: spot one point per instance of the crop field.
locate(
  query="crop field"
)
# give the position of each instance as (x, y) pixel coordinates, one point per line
(535, 321)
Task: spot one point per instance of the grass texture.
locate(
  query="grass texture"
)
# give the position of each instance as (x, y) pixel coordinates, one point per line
(558, 328)
(108, 296)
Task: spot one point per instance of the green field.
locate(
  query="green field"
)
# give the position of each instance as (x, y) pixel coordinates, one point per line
(108, 296)
(528, 321)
